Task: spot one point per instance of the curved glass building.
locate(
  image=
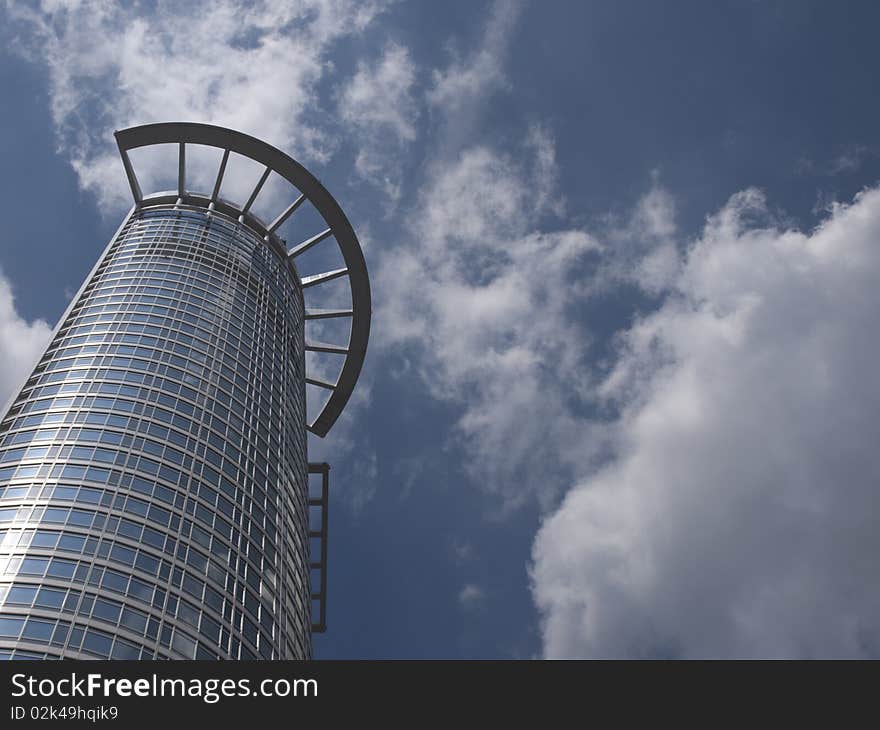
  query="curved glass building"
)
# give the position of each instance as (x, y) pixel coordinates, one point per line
(154, 496)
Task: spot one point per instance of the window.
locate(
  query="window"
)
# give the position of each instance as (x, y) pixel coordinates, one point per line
(34, 566)
(50, 598)
(11, 626)
(97, 643)
(107, 610)
(21, 595)
(139, 589)
(44, 539)
(183, 644)
(73, 543)
(122, 554)
(125, 650)
(37, 630)
(115, 581)
(80, 517)
(134, 620)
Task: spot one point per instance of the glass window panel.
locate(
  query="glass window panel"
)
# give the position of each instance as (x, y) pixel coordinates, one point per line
(97, 643)
(11, 626)
(21, 595)
(74, 543)
(34, 566)
(44, 539)
(61, 568)
(125, 650)
(106, 610)
(50, 598)
(37, 630)
(134, 620)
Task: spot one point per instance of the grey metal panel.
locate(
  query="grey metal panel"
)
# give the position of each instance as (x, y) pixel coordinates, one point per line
(317, 194)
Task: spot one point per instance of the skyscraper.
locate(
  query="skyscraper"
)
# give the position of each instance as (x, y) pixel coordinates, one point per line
(154, 494)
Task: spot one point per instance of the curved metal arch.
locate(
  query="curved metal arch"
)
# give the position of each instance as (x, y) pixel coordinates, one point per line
(311, 189)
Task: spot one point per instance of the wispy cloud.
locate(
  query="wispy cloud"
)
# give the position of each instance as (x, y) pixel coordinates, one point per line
(471, 597)
(379, 106)
(252, 66)
(848, 160)
(642, 248)
(485, 298)
(461, 91)
(479, 290)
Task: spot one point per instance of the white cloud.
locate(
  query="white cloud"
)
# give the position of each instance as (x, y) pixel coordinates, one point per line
(462, 550)
(21, 343)
(378, 105)
(486, 295)
(461, 90)
(739, 514)
(483, 285)
(640, 248)
(471, 597)
(851, 159)
(251, 66)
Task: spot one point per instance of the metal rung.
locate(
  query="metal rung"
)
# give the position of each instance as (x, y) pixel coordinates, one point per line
(321, 503)
(313, 346)
(307, 244)
(273, 226)
(132, 178)
(308, 281)
(181, 170)
(219, 181)
(256, 191)
(327, 313)
(321, 383)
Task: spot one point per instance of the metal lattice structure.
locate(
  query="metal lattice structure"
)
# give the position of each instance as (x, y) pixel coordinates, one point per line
(337, 228)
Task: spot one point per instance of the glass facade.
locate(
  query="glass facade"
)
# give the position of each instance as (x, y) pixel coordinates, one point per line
(153, 475)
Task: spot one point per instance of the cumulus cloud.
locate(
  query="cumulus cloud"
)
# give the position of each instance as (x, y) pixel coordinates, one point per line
(738, 516)
(251, 66)
(378, 104)
(21, 343)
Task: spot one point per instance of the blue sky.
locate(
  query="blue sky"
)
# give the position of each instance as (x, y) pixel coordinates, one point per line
(621, 395)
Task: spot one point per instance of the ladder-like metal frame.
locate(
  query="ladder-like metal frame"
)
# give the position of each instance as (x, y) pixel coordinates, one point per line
(320, 503)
